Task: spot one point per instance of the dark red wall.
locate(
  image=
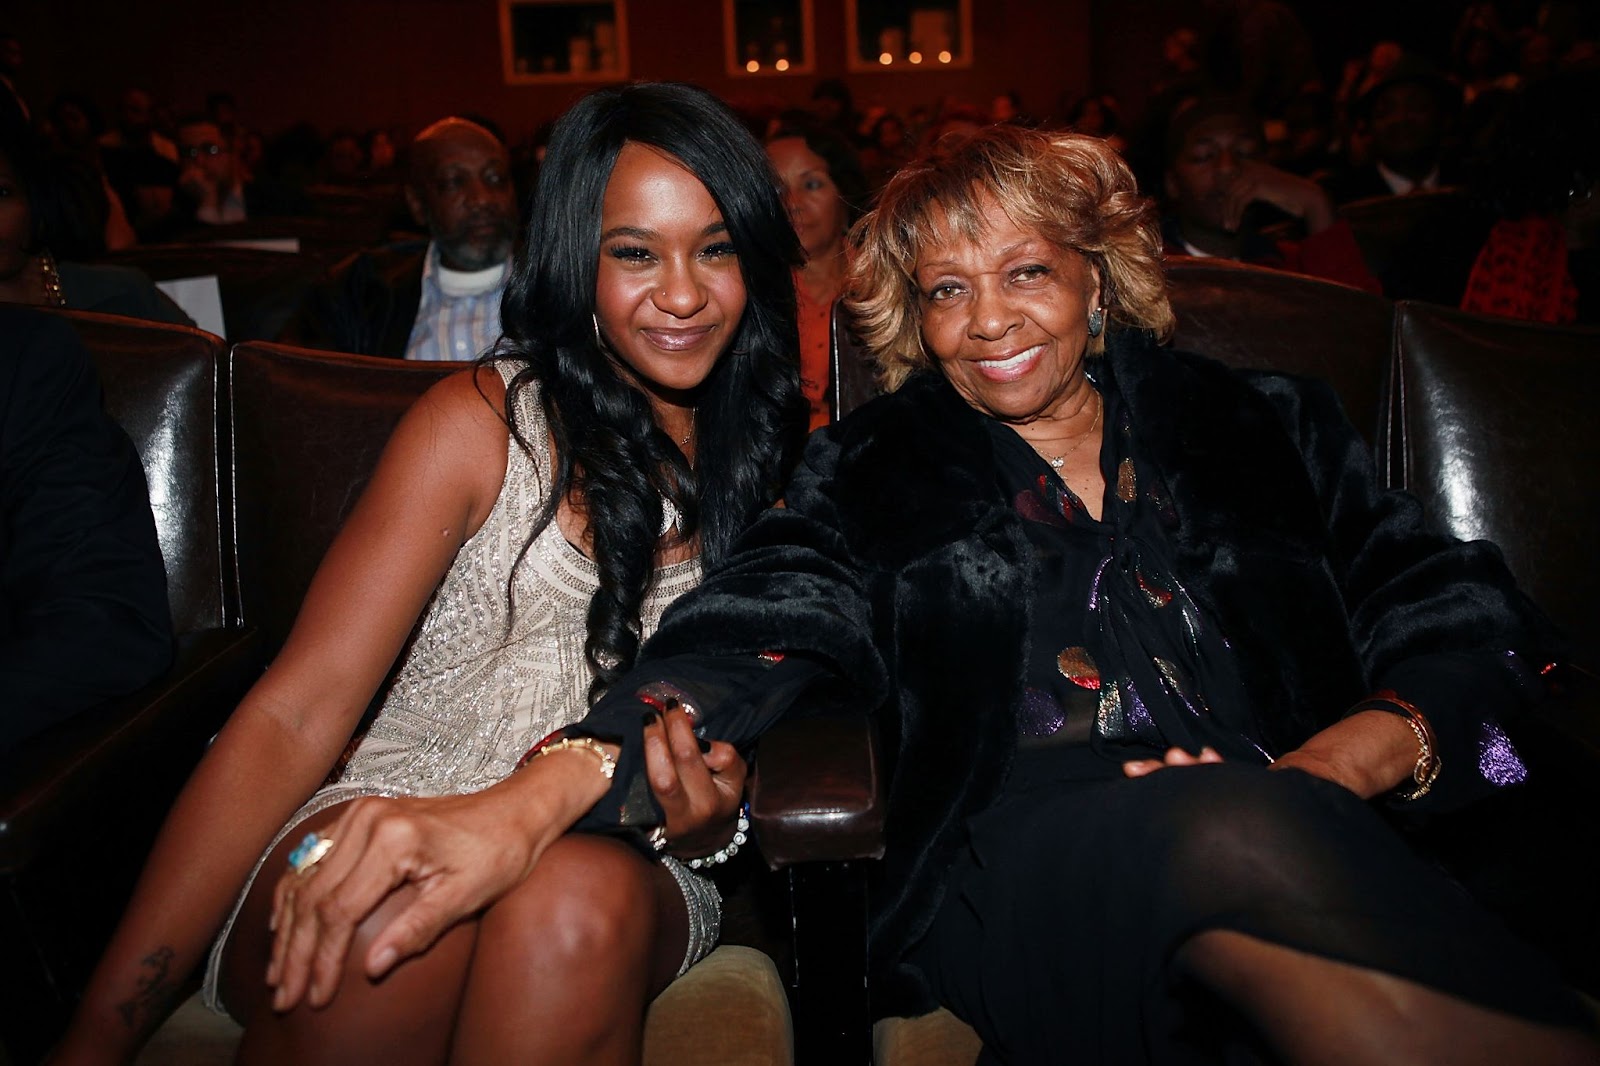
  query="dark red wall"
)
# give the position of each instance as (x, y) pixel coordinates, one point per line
(402, 63)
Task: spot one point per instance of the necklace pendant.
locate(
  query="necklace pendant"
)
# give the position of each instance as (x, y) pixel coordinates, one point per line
(1057, 462)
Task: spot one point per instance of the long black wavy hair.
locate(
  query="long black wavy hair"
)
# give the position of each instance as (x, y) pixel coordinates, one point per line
(750, 417)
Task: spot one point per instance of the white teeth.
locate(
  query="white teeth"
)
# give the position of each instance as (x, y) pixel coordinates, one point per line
(1013, 362)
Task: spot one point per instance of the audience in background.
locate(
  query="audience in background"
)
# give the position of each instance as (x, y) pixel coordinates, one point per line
(1392, 123)
(213, 186)
(55, 206)
(1258, 50)
(888, 149)
(1224, 196)
(73, 132)
(1097, 115)
(824, 191)
(1541, 260)
(439, 300)
(13, 108)
(141, 163)
(835, 108)
(1406, 117)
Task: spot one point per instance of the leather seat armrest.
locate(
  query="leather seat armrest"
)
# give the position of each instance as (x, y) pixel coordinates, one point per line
(817, 793)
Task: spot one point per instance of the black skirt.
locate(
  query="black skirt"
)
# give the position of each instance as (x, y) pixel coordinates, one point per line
(1061, 920)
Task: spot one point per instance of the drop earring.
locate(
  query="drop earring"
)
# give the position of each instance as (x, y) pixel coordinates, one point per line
(1097, 321)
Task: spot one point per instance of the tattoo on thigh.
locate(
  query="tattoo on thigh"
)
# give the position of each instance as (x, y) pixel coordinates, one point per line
(156, 986)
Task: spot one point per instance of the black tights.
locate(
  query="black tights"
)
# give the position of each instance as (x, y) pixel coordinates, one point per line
(1102, 921)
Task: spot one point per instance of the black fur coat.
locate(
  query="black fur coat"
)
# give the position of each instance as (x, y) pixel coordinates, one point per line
(898, 562)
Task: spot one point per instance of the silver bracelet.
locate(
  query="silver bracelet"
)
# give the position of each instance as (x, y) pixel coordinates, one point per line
(716, 858)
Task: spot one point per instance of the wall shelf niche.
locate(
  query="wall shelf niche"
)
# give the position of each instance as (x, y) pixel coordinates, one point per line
(902, 35)
(545, 41)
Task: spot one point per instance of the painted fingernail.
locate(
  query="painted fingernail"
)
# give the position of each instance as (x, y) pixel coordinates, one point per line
(705, 745)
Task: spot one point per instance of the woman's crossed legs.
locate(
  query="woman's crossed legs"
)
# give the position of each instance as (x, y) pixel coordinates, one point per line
(560, 969)
(1126, 920)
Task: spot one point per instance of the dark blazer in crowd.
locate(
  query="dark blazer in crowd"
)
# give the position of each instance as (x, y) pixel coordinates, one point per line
(368, 305)
(83, 593)
(117, 290)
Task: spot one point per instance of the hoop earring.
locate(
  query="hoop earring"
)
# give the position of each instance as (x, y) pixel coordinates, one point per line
(599, 342)
(1097, 321)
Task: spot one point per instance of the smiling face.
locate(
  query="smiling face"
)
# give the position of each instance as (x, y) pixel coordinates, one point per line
(669, 294)
(1006, 317)
(815, 206)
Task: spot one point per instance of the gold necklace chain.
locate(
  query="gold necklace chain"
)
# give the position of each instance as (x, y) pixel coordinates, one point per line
(1058, 461)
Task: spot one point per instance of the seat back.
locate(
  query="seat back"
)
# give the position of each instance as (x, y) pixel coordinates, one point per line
(308, 428)
(1273, 320)
(162, 386)
(1420, 246)
(260, 290)
(1498, 428)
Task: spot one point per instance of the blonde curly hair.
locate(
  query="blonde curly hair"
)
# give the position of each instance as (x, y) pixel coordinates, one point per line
(1072, 190)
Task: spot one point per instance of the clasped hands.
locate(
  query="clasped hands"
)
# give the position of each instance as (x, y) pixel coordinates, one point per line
(461, 853)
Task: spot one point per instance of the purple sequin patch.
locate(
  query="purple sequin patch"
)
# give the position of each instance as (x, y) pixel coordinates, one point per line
(1094, 585)
(1041, 715)
(1139, 718)
(1498, 761)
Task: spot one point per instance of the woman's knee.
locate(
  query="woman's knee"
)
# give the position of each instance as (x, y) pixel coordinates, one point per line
(406, 1016)
(589, 900)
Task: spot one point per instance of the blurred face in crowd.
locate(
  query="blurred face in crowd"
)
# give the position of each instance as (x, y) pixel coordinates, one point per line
(16, 224)
(669, 294)
(815, 206)
(380, 151)
(461, 190)
(136, 111)
(1407, 127)
(206, 157)
(1201, 175)
(72, 125)
(890, 134)
(10, 54)
(345, 157)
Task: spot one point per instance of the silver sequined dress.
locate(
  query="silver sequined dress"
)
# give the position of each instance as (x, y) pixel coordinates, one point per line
(481, 684)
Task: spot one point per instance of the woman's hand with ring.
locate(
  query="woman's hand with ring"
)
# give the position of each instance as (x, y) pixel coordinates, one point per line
(459, 853)
(699, 792)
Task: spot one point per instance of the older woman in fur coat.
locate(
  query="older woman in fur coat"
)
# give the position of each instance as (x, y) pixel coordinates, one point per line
(1148, 648)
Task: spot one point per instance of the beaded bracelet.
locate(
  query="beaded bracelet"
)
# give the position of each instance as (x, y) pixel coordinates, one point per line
(741, 828)
(1428, 765)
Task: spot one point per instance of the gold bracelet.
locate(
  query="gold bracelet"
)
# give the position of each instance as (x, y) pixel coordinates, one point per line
(608, 763)
(1426, 770)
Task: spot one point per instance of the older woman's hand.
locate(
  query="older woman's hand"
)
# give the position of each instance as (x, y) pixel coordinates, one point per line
(699, 792)
(1172, 757)
(1368, 753)
(459, 853)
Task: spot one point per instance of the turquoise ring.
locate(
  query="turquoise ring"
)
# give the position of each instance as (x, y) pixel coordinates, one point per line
(309, 852)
